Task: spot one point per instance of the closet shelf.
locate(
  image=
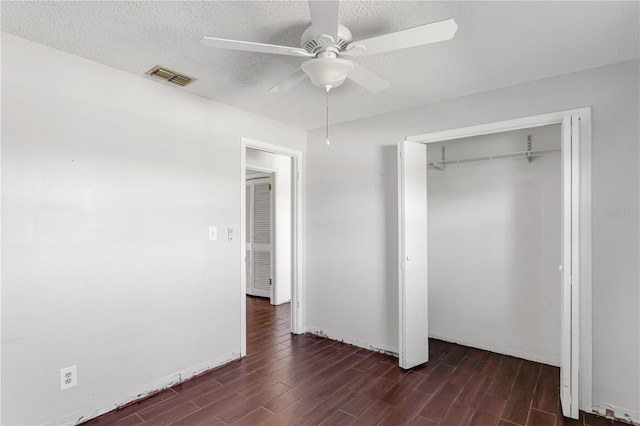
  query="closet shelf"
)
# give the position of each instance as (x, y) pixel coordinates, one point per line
(518, 154)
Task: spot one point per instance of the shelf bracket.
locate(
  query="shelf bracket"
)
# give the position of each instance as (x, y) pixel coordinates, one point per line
(440, 166)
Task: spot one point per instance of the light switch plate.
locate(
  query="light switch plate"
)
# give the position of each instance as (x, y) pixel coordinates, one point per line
(213, 233)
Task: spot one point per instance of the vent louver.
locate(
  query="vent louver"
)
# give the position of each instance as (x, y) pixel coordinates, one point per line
(170, 76)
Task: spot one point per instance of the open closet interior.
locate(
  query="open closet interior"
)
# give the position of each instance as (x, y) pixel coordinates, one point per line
(494, 238)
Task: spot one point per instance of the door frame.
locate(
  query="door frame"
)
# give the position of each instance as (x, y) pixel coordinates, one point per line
(581, 289)
(298, 304)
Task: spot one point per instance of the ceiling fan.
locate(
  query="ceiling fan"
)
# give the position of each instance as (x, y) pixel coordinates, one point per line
(326, 42)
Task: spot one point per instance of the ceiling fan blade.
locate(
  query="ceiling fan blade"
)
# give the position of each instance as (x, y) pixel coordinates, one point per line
(248, 46)
(290, 81)
(325, 17)
(367, 79)
(416, 36)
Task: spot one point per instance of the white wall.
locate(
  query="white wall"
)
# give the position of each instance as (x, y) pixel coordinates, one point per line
(494, 245)
(281, 166)
(109, 184)
(352, 214)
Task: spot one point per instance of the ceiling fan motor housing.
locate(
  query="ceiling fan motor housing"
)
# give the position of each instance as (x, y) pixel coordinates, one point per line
(315, 42)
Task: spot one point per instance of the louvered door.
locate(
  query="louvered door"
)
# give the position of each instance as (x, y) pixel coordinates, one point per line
(259, 237)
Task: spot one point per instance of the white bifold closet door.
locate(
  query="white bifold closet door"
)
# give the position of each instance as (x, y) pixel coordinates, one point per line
(570, 296)
(259, 254)
(412, 250)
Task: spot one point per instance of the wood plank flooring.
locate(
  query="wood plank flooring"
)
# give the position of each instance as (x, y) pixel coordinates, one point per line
(308, 380)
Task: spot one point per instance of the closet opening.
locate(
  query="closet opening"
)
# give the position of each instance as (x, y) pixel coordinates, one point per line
(495, 244)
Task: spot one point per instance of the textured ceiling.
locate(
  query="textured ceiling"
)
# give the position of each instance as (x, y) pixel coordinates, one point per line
(497, 44)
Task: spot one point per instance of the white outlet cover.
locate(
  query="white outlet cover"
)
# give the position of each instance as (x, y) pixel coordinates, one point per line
(68, 377)
(213, 233)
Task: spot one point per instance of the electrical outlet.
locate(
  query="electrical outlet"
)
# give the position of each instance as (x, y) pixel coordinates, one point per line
(68, 377)
(213, 233)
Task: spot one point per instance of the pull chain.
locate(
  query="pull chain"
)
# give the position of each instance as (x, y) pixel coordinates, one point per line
(326, 141)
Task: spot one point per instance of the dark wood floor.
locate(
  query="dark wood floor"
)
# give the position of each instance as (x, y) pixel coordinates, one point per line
(308, 380)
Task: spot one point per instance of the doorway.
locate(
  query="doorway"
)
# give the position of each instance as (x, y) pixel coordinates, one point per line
(284, 166)
(576, 249)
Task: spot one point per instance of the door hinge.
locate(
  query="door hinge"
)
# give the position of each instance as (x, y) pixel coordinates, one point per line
(269, 187)
(270, 281)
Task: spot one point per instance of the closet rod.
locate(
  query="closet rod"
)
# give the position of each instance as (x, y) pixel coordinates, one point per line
(518, 154)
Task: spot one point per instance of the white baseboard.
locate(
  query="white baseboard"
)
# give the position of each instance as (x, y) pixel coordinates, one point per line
(618, 413)
(149, 389)
(518, 354)
(355, 341)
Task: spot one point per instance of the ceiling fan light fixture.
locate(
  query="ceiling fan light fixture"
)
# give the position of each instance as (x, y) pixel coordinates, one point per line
(325, 72)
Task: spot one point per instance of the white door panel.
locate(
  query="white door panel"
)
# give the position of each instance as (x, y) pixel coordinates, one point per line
(413, 297)
(569, 345)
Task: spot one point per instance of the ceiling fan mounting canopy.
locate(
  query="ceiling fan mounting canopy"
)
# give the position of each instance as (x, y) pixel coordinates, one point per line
(326, 42)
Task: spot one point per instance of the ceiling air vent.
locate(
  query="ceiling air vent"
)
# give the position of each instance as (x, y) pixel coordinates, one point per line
(170, 76)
